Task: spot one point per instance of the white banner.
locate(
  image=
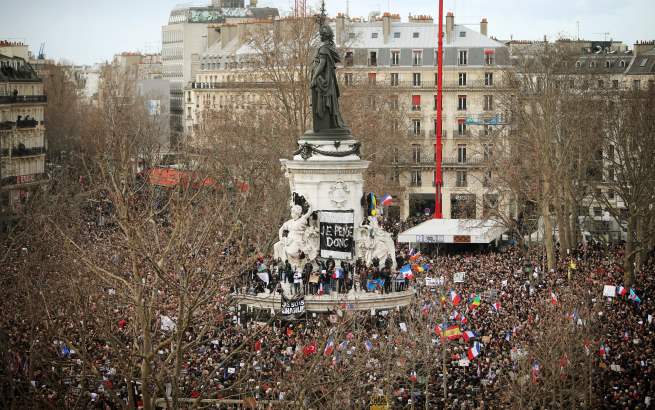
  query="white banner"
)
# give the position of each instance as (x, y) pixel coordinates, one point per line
(609, 291)
(459, 277)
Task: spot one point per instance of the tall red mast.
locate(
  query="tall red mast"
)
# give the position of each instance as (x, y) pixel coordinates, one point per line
(438, 178)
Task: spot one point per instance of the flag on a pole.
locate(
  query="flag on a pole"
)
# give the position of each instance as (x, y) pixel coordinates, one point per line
(468, 335)
(329, 347)
(473, 351)
(496, 306)
(452, 332)
(476, 302)
(455, 298)
(633, 296)
(553, 298)
(621, 291)
(368, 345)
(386, 200)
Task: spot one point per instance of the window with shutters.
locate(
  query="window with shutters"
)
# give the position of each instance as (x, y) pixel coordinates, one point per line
(416, 79)
(461, 102)
(417, 57)
(395, 57)
(463, 57)
(462, 79)
(461, 179)
(488, 102)
(416, 103)
(394, 79)
(416, 127)
(488, 79)
(416, 153)
(461, 153)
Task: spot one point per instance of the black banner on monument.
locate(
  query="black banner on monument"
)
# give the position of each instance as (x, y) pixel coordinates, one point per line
(293, 306)
(337, 234)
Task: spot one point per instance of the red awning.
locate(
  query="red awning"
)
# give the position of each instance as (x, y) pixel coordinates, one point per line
(461, 120)
(171, 178)
(489, 51)
(416, 100)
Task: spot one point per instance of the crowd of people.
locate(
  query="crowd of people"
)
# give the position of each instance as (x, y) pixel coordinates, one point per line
(502, 302)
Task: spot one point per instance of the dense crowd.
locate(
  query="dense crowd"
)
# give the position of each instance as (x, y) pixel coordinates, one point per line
(502, 302)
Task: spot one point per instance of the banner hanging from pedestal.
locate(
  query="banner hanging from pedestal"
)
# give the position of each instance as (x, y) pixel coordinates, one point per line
(294, 306)
(337, 234)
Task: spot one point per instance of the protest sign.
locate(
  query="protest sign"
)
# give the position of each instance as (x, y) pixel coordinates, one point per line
(433, 282)
(336, 234)
(459, 277)
(293, 306)
(609, 291)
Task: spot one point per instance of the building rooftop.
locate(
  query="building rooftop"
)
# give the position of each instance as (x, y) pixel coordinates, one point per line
(14, 69)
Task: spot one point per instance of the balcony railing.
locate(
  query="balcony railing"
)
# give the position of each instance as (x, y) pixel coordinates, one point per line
(11, 99)
(231, 84)
(465, 134)
(23, 152)
(27, 123)
(23, 179)
(470, 161)
(416, 133)
(416, 108)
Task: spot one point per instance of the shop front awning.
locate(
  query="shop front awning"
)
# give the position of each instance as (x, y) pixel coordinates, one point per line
(461, 231)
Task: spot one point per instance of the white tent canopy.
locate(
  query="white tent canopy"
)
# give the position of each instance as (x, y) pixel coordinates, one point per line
(453, 231)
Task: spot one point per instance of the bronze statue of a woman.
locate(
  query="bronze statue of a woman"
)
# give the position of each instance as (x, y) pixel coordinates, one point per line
(325, 89)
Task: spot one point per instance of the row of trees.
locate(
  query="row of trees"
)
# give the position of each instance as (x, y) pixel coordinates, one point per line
(575, 144)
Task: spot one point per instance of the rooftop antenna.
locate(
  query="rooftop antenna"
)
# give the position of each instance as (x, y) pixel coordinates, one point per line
(605, 34)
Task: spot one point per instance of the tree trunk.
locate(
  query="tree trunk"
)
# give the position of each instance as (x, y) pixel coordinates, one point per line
(563, 228)
(548, 226)
(640, 251)
(628, 258)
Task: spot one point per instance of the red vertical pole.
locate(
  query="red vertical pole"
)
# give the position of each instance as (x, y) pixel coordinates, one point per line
(438, 213)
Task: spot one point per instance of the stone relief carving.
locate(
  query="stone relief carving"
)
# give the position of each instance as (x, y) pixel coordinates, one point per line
(339, 194)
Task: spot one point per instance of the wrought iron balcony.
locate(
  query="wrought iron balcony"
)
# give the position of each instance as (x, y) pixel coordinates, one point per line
(467, 162)
(11, 99)
(23, 152)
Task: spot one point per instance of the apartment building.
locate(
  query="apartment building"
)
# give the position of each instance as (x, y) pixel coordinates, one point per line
(401, 58)
(22, 131)
(186, 36)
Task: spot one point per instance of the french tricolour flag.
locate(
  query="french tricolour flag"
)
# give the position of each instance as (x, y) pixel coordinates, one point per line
(386, 200)
(496, 306)
(468, 335)
(473, 351)
(329, 347)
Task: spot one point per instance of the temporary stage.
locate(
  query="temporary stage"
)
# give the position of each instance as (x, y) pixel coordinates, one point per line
(460, 231)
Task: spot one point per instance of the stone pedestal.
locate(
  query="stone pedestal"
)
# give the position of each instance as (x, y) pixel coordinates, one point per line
(329, 183)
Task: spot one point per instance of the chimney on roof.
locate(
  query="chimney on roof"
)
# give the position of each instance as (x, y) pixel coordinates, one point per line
(450, 26)
(641, 47)
(484, 25)
(341, 27)
(386, 26)
(253, 3)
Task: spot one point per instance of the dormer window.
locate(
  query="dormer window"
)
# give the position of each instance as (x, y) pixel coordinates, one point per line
(622, 64)
(578, 64)
(374, 35)
(462, 33)
(415, 34)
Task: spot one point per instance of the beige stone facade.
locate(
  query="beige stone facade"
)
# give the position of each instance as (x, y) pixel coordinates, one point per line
(22, 132)
(400, 58)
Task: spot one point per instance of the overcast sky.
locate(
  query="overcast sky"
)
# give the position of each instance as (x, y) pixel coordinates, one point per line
(89, 31)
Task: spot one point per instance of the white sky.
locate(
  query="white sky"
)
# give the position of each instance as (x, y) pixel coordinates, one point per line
(89, 31)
